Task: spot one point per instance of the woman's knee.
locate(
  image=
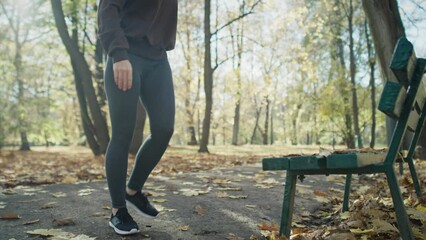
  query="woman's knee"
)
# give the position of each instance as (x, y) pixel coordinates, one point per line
(122, 138)
(163, 133)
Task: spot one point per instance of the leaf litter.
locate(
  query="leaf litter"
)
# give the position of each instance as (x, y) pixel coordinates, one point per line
(47, 167)
(371, 214)
(59, 234)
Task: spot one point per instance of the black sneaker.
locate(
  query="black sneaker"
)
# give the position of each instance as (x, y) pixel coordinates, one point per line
(140, 202)
(123, 223)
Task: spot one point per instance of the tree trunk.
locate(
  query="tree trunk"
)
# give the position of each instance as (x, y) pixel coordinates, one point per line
(88, 128)
(266, 124)
(386, 28)
(355, 111)
(348, 134)
(82, 72)
(349, 137)
(372, 64)
(256, 125)
(294, 139)
(271, 141)
(25, 145)
(240, 46)
(236, 126)
(99, 77)
(208, 79)
(139, 128)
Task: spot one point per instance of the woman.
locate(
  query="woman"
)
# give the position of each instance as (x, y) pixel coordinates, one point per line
(136, 35)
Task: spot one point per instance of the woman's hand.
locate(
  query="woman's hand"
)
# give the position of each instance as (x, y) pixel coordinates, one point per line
(123, 74)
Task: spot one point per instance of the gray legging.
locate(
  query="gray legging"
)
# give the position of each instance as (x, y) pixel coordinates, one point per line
(153, 84)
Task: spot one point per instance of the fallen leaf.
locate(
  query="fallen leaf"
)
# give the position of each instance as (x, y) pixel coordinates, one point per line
(232, 236)
(304, 191)
(70, 180)
(322, 199)
(80, 237)
(305, 214)
(419, 234)
(64, 222)
(345, 215)
(355, 224)
(221, 180)
(49, 232)
(363, 189)
(48, 205)
(31, 222)
(8, 191)
(10, 216)
(298, 225)
(253, 237)
(361, 231)
(86, 192)
(59, 234)
(319, 193)
(419, 208)
(106, 207)
(299, 237)
(229, 189)
(156, 194)
(163, 209)
(189, 192)
(341, 236)
(59, 194)
(184, 227)
(417, 215)
(226, 195)
(98, 214)
(200, 210)
(381, 226)
(297, 231)
(268, 227)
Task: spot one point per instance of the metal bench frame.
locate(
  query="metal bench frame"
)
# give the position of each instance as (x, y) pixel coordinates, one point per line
(410, 73)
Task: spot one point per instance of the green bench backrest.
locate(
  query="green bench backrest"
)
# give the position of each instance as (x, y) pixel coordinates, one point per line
(404, 100)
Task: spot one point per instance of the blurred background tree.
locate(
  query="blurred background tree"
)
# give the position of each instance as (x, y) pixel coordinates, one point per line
(246, 72)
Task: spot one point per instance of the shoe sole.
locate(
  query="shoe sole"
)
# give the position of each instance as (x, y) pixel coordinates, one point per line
(128, 203)
(120, 232)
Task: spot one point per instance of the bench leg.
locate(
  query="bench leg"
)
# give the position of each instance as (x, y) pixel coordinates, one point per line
(345, 206)
(411, 150)
(288, 204)
(404, 225)
(415, 178)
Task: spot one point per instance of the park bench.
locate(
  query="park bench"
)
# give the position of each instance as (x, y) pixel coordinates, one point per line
(405, 102)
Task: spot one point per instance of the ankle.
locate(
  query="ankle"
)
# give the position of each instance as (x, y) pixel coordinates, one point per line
(114, 211)
(130, 192)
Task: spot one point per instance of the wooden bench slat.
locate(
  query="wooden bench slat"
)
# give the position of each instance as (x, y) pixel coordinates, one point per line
(282, 163)
(418, 106)
(308, 162)
(392, 99)
(403, 61)
(354, 160)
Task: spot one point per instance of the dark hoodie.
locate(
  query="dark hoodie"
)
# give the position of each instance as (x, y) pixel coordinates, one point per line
(142, 27)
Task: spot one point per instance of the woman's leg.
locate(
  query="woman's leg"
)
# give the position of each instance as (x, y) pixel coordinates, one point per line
(122, 108)
(157, 95)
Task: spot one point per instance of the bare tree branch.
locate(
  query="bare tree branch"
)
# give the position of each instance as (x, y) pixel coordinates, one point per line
(251, 11)
(9, 18)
